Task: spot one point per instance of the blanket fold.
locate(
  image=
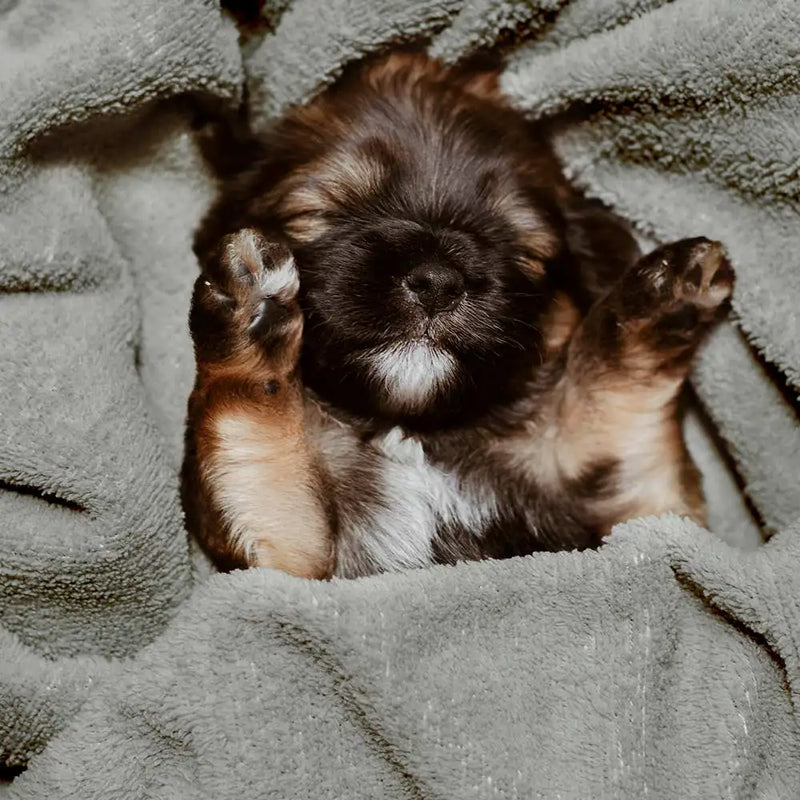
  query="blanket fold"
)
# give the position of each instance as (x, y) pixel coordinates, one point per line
(93, 557)
(666, 664)
(265, 683)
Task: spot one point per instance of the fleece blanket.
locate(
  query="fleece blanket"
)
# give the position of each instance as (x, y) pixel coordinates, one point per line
(666, 664)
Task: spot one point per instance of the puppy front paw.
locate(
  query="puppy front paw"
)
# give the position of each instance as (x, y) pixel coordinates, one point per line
(706, 276)
(693, 271)
(246, 297)
(676, 291)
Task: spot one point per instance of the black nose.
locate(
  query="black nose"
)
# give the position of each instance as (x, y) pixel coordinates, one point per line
(436, 287)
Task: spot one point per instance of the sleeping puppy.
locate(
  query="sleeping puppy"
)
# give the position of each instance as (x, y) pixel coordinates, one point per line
(417, 344)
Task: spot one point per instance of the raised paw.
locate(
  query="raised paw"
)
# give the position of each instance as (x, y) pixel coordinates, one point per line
(660, 310)
(246, 297)
(699, 272)
(694, 272)
(671, 296)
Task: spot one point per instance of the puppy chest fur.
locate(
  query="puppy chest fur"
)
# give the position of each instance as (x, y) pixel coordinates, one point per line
(396, 505)
(406, 499)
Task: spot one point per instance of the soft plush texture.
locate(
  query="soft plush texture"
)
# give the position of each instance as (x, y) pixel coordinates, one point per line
(667, 664)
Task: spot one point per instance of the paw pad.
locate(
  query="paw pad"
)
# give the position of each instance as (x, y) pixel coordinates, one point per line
(705, 276)
(256, 264)
(249, 288)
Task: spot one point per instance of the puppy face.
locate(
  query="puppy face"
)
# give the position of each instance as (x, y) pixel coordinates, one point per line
(423, 221)
(415, 314)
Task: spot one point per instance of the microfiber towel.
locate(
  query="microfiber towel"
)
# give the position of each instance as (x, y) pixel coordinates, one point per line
(93, 557)
(663, 665)
(566, 675)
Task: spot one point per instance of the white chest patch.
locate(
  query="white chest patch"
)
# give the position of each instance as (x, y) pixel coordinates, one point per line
(417, 498)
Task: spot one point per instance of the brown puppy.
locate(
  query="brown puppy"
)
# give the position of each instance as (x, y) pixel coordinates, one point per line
(416, 343)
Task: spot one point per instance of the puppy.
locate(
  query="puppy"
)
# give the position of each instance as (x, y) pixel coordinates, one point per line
(417, 344)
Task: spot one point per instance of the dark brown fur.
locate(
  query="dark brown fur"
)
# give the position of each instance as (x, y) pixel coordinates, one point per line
(562, 353)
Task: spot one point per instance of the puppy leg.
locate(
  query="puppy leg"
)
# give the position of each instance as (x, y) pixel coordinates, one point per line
(616, 410)
(251, 491)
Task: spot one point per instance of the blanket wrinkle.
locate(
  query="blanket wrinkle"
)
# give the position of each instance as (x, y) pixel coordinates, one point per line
(664, 664)
(663, 58)
(292, 64)
(758, 589)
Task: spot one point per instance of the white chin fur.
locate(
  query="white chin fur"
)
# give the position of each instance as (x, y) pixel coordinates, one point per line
(411, 373)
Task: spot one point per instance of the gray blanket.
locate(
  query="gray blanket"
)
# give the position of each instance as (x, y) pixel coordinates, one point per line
(667, 664)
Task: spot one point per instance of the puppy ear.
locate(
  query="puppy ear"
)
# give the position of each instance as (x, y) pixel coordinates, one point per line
(485, 85)
(479, 75)
(601, 245)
